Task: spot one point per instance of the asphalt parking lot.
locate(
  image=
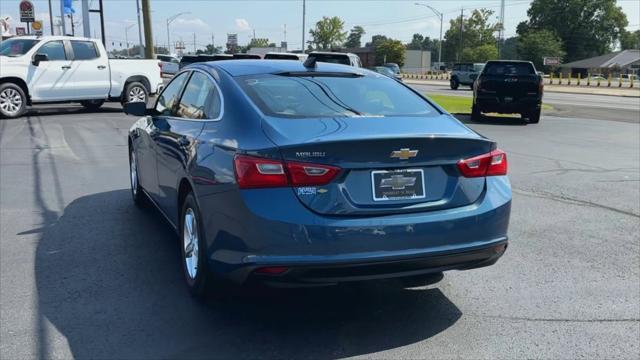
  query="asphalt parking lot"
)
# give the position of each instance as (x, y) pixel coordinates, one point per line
(85, 274)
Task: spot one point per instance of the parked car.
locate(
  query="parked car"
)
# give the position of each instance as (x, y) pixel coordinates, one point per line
(192, 59)
(69, 69)
(336, 58)
(508, 87)
(273, 172)
(394, 67)
(168, 64)
(387, 72)
(285, 56)
(464, 74)
(246, 56)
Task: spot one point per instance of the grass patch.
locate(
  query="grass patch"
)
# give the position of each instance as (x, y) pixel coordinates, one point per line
(461, 104)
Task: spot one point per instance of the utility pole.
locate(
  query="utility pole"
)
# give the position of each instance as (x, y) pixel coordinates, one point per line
(139, 28)
(194, 43)
(461, 35)
(304, 10)
(86, 26)
(501, 32)
(62, 20)
(213, 44)
(149, 52)
(51, 18)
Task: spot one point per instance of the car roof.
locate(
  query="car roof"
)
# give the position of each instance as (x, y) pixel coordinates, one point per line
(50, 37)
(329, 53)
(256, 67)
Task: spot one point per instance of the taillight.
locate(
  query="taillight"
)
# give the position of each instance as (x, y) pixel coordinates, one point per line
(255, 172)
(490, 164)
(304, 174)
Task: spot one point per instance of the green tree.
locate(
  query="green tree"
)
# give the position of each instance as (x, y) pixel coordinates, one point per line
(630, 40)
(355, 37)
(477, 30)
(416, 42)
(389, 51)
(328, 33)
(509, 48)
(586, 27)
(482, 53)
(535, 45)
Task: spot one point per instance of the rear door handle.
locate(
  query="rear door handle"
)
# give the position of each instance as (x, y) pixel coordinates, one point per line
(66, 67)
(101, 67)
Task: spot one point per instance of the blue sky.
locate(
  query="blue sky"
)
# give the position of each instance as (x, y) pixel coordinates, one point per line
(206, 18)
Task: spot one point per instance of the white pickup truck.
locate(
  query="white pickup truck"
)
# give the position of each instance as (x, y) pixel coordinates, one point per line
(51, 69)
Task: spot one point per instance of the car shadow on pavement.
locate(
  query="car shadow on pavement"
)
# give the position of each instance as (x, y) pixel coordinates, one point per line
(492, 120)
(109, 279)
(69, 109)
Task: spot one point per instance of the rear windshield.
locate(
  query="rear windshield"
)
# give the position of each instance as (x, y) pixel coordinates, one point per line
(497, 68)
(329, 96)
(334, 59)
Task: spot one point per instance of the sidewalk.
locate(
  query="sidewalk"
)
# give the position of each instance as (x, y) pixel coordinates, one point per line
(583, 89)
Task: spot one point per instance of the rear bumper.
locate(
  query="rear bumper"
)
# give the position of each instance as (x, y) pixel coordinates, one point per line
(495, 103)
(309, 272)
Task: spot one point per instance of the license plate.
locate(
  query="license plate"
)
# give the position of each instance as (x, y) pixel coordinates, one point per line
(398, 184)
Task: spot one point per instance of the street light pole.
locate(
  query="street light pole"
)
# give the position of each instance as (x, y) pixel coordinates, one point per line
(169, 21)
(438, 13)
(126, 38)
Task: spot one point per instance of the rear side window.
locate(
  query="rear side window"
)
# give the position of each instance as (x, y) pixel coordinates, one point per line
(84, 50)
(169, 97)
(281, 57)
(54, 50)
(513, 69)
(330, 96)
(200, 99)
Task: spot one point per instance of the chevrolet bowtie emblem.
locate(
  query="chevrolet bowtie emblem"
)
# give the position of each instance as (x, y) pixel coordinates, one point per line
(404, 154)
(398, 182)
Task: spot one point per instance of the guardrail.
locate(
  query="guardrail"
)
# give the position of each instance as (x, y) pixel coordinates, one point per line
(598, 81)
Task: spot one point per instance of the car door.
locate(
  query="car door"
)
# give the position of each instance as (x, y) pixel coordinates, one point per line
(146, 147)
(89, 75)
(48, 79)
(200, 102)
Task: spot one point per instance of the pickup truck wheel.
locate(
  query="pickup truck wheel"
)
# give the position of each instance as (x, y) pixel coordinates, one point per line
(533, 117)
(454, 83)
(135, 92)
(92, 104)
(13, 101)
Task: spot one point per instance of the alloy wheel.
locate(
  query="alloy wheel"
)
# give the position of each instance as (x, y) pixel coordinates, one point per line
(137, 94)
(190, 243)
(10, 101)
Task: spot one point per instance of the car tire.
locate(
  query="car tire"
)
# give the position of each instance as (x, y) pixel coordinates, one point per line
(13, 101)
(454, 83)
(533, 117)
(92, 105)
(135, 92)
(192, 248)
(476, 115)
(137, 193)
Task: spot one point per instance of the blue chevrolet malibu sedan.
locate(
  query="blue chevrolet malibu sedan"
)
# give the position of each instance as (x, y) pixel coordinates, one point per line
(305, 174)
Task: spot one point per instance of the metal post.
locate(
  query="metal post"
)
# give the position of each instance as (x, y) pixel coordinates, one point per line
(149, 52)
(194, 43)
(139, 28)
(51, 18)
(440, 44)
(168, 39)
(304, 10)
(461, 31)
(62, 20)
(86, 23)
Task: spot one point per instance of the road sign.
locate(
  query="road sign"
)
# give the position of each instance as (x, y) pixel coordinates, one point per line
(551, 61)
(36, 26)
(27, 14)
(20, 31)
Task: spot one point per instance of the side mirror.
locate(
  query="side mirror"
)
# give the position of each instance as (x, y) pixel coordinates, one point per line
(138, 108)
(37, 58)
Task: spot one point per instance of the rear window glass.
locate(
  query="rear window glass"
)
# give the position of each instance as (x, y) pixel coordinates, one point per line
(281, 57)
(330, 96)
(509, 69)
(334, 59)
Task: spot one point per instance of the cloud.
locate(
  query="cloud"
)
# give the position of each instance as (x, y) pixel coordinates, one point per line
(190, 25)
(242, 25)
